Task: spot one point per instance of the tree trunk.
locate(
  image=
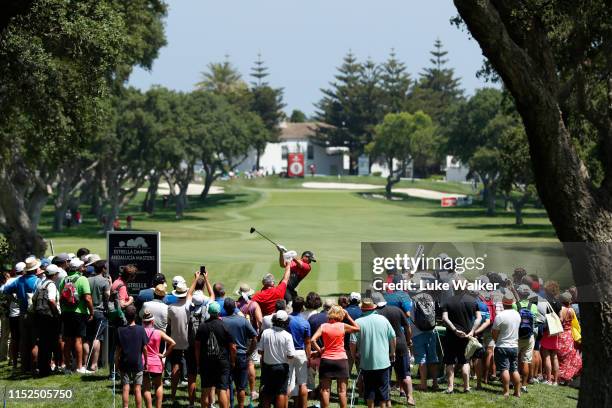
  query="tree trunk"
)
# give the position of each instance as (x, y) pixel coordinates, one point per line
(518, 212)
(208, 181)
(488, 195)
(148, 205)
(579, 211)
(58, 219)
(181, 202)
(27, 242)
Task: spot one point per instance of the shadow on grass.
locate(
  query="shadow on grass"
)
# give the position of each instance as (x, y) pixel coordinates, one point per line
(475, 212)
(528, 230)
(91, 228)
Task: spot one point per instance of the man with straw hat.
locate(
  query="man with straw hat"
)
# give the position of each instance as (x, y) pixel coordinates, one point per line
(157, 307)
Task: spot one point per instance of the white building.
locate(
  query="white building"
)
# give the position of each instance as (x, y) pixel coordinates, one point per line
(455, 170)
(299, 138)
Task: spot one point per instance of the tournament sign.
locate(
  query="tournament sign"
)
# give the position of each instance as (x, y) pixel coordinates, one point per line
(134, 247)
(295, 164)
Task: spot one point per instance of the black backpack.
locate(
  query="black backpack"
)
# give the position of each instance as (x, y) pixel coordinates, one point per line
(40, 301)
(213, 349)
(424, 312)
(195, 320)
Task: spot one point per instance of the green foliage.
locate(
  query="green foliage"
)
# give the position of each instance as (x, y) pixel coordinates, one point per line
(297, 116)
(437, 89)
(267, 102)
(400, 138)
(395, 84)
(351, 105)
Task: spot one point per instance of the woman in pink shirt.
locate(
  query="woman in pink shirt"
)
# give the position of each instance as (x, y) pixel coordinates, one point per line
(334, 361)
(155, 360)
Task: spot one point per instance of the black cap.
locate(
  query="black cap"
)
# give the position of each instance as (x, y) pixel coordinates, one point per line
(310, 255)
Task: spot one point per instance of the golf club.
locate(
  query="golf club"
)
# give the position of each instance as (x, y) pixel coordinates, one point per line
(263, 236)
(91, 348)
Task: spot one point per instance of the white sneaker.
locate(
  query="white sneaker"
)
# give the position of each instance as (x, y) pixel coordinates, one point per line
(167, 383)
(83, 370)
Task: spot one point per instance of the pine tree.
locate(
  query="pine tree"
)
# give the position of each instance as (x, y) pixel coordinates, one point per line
(267, 102)
(395, 84)
(439, 78)
(259, 71)
(351, 106)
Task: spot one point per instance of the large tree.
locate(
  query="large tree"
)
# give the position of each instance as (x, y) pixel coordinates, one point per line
(60, 61)
(267, 102)
(554, 57)
(437, 89)
(352, 106)
(397, 139)
(474, 137)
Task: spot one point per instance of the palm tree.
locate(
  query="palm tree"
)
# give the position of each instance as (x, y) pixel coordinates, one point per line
(221, 78)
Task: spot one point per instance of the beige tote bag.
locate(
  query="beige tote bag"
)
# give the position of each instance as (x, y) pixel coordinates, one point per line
(554, 322)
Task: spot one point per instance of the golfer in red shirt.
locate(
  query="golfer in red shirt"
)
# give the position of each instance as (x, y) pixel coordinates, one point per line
(299, 269)
(269, 294)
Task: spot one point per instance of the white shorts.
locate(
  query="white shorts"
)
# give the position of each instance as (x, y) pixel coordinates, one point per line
(298, 372)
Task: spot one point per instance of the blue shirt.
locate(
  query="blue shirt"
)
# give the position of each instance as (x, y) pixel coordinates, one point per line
(221, 301)
(400, 299)
(299, 329)
(484, 311)
(170, 299)
(241, 330)
(22, 286)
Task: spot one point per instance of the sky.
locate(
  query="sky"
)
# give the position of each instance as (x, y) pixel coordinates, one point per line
(302, 42)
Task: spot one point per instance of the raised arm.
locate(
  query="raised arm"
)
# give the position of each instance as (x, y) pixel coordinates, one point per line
(287, 272)
(351, 326)
(209, 288)
(196, 275)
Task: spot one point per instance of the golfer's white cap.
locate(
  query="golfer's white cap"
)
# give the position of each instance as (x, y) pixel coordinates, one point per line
(19, 267)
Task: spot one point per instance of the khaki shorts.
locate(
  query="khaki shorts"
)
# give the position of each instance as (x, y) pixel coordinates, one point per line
(526, 349)
(298, 372)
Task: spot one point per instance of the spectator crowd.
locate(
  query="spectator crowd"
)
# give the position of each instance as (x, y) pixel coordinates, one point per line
(65, 314)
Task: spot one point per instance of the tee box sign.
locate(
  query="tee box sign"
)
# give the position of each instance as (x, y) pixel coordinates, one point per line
(134, 247)
(295, 164)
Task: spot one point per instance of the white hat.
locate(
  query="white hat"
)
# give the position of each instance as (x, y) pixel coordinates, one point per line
(181, 290)
(52, 270)
(19, 267)
(91, 258)
(176, 280)
(355, 296)
(281, 315)
(76, 263)
(71, 255)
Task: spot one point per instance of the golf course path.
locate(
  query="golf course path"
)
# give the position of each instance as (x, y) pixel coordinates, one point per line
(412, 192)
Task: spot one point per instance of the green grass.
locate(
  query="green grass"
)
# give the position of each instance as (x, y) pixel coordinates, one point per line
(96, 392)
(330, 223)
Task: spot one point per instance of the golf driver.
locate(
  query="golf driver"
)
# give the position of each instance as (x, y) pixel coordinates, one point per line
(263, 236)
